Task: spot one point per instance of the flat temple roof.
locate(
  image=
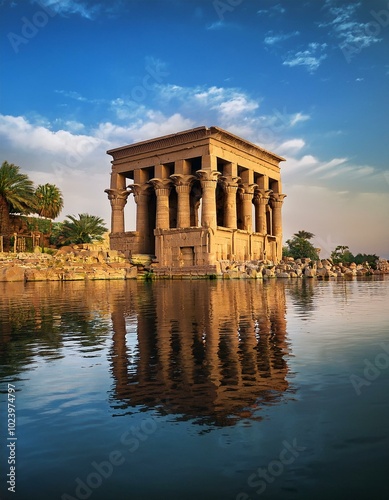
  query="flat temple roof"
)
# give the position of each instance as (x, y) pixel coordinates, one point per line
(190, 135)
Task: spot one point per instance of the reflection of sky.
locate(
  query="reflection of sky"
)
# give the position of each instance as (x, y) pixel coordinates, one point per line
(345, 326)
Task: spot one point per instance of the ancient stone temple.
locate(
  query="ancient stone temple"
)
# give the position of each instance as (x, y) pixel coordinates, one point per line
(203, 196)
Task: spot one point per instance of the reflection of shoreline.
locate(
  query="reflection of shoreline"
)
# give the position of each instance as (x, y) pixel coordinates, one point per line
(208, 351)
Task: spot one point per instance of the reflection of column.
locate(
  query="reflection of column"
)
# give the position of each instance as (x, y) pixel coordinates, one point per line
(183, 186)
(118, 199)
(276, 202)
(119, 351)
(247, 197)
(261, 198)
(162, 191)
(208, 182)
(230, 185)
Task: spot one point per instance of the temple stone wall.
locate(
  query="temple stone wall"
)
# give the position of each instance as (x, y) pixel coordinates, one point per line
(202, 195)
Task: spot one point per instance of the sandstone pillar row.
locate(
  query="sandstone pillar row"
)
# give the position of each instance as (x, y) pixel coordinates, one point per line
(183, 185)
(261, 199)
(247, 198)
(208, 181)
(230, 185)
(118, 199)
(276, 202)
(162, 190)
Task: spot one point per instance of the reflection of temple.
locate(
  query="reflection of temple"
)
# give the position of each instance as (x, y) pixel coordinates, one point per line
(202, 195)
(209, 351)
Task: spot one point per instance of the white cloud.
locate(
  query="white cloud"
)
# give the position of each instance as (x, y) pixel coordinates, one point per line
(353, 35)
(291, 146)
(274, 10)
(22, 134)
(311, 57)
(85, 9)
(272, 39)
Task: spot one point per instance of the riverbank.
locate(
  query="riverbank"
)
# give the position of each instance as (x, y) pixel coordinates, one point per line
(91, 262)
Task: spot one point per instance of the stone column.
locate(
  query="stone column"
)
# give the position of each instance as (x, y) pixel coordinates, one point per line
(247, 198)
(118, 199)
(230, 185)
(183, 185)
(276, 203)
(208, 180)
(141, 194)
(162, 190)
(261, 199)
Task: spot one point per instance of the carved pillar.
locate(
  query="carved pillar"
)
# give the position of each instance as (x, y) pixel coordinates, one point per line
(247, 198)
(183, 185)
(162, 191)
(261, 199)
(118, 199)
(230, 185)
(208, 182)
(276, 203)
(141, 194)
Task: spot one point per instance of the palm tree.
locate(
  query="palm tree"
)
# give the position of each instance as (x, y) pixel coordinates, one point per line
(305, 235)
(49, 201)
(85, 229)
(16, 195)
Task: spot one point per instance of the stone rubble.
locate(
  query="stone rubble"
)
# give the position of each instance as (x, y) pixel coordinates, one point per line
(69, 263)
(93, 262)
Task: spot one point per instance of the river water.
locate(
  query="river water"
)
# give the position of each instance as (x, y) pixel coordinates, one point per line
(184, 390)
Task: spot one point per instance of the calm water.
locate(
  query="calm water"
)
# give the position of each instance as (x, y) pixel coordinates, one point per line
(197, 390)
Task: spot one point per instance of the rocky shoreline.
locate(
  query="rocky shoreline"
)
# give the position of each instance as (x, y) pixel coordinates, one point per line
(96, 262)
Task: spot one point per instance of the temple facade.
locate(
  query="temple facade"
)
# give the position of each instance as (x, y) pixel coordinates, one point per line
(202, 196)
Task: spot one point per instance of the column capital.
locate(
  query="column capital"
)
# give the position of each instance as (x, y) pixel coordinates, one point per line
(230, 183)
(262, 195)
(208, 176)
(182, 182)
(161, 186)
(246, 190)
(117, 197)
(277, 198)
(138, 190)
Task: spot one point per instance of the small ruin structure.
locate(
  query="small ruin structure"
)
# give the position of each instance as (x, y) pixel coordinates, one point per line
(203, 196)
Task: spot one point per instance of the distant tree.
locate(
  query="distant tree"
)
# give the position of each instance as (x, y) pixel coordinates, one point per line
(305, 235)
(16, 195)
(49, 201)
(342, 255)
(299, 247)
(371, 259)
(85, 229)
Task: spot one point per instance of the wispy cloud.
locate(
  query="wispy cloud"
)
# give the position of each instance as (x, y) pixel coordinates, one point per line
(352, 33)
(274, 10)
(83, 8)
(311, 58)
(272, 39)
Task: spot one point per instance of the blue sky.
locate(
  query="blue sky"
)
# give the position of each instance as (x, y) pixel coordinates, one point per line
(308, 80)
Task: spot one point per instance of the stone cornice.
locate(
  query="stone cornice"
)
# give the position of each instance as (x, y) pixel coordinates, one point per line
(189, 136)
